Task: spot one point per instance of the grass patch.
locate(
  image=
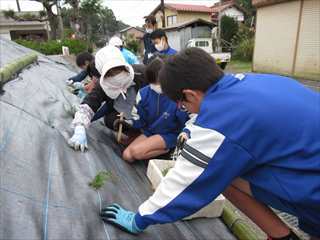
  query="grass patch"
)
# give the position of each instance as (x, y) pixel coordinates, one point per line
(100, 179)
(236, 66)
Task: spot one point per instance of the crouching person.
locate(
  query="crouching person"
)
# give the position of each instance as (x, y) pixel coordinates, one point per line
(117, 87)
(158, 118)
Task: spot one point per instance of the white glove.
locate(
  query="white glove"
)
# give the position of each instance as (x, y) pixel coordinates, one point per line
(69, 82)
(78, 85)
(79, 139)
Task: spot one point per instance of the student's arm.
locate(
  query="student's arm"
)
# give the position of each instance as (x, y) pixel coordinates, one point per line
(138, 112)
(90, 104)
(208, 164)
(80, 76)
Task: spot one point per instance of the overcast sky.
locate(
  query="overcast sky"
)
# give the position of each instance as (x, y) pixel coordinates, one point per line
(129, 11)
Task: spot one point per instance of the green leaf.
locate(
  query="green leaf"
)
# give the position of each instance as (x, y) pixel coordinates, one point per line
(100, 179)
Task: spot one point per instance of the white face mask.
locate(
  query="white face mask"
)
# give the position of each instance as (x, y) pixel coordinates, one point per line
(116, 85)
(160, 46)
(149, 30)
(156, 88)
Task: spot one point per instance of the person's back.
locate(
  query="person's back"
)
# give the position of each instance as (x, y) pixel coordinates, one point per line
(160, 114)
(129, 56)
(277, 121)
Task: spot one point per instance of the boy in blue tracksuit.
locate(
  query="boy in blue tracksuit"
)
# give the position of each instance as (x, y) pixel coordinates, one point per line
(158, 118)
(160, 41)
(256, 139)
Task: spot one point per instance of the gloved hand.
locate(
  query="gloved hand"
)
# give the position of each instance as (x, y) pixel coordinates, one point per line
(79, 139)
(69, 82)
(125, 125)
(120, 218)
(182, 138)
(78, 85)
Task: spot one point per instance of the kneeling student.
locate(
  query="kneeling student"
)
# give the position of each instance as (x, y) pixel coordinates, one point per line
(158, 117)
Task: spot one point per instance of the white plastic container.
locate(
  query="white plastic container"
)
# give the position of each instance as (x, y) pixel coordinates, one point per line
(155, 175)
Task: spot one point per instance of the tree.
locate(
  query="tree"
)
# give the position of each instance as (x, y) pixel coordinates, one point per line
(90, 9)
(99, 22)
(132, 43)
(74, 16)
(229, 27)
(250, 11)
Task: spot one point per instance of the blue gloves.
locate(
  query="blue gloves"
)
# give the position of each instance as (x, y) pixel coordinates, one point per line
(120, 218)
(79, 139)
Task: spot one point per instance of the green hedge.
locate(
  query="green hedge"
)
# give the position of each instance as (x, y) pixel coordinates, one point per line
(53, 47)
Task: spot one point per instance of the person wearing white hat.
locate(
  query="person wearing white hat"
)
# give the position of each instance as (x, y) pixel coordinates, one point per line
(117, 87)
(128, 55)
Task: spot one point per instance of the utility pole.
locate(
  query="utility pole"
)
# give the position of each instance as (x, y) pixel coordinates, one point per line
(219, 30)
(163, 16)
(18, 5)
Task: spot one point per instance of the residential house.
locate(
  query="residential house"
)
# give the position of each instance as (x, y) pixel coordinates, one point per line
(135, 33)
(180, 34)
(227, 8)
(12, 29)
(287, 39)
(180, 13)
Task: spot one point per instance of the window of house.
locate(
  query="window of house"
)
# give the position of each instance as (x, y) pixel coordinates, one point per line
(202, 44)
(171, 20)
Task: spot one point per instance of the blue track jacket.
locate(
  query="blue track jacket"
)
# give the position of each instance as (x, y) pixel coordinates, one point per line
(129, 56)
(261, 127)
(156, 114)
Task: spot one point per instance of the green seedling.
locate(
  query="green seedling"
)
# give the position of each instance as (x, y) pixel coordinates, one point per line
(165, 171)
(100, 179)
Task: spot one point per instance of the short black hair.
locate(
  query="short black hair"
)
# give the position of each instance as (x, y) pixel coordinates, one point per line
(92, 71)
(191, 68)
(158, 33)
(150, 19)
(154, 66)
(83, 57)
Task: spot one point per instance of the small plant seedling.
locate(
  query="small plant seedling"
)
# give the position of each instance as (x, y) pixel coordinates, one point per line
(165, 171)
(100, 179)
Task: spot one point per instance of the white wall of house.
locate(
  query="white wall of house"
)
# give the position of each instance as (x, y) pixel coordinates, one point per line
(234, 13)
(287, 39)
(174, 39)
(5, 35)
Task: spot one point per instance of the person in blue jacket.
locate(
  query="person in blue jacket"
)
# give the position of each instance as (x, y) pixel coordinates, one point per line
(158, 118)
(149, 49)
(128, 55)
(256, 139)
(160, 41)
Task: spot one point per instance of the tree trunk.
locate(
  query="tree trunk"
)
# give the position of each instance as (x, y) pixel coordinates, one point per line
(56, 25)
(18, 5)
(76, 18)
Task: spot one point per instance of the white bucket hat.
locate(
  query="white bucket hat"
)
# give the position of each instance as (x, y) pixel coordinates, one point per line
(115, 41)
(110, 57)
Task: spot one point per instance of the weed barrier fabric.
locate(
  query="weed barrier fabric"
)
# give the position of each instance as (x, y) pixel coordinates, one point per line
(44, 192)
